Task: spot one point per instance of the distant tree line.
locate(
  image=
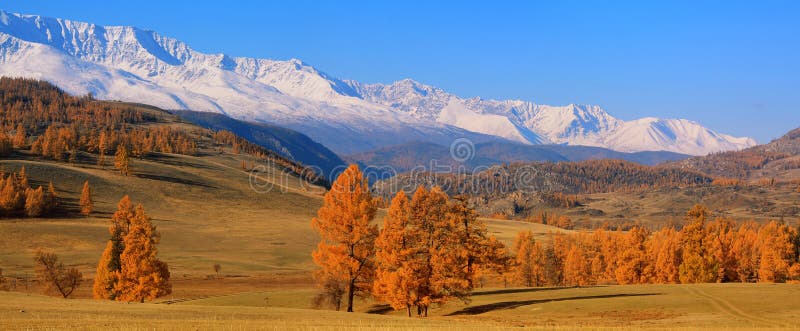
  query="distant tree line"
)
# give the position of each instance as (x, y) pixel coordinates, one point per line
(703, 251)
(565, 178)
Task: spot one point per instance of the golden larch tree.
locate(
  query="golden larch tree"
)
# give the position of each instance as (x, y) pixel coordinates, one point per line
(20, 137)
(395, 280)
(483, 252)
(698, 264)
(777, 252)
(524, 263)
(577, 269)
(664, 249)
(632, 261)
(746, 251)
(346, 249)
(86, 203)
(142, 276)
(34, 202)
(109, 265)
(102, 146)
(50, 198)
(719, 242)
(439, 257)
(122, 160)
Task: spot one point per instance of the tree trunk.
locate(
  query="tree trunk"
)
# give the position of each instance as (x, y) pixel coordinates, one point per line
(408, 309)
(350, 294)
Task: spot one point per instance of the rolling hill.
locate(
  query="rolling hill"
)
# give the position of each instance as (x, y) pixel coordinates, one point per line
(778, 159)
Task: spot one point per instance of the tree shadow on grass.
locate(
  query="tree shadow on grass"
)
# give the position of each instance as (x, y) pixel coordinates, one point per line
(527, 290)
(380, 309)
(172, 180)
(516, 304)
(174, 161)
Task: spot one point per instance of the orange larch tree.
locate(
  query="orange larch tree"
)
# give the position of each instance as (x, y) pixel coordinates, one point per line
(86, 203)
(529, 260)
(698, 264)
(632, 261)
(122, 161)
(719, 240)
(50, 198)
(444, 254)
(346, 248)
(484, 253)
(20, 137)
(34, 202)
(395, 279)
(746, 252)
(664, 250)
(777, 252)
(142, 276)
(577, 269)
(110, 264)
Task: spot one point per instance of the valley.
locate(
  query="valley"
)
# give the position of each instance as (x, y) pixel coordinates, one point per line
(149, 185)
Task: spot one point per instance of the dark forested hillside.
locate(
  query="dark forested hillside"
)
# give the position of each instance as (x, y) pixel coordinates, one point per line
(517, 188)
(291, 144)
(595, 176)
(779, 159)
(415, 154)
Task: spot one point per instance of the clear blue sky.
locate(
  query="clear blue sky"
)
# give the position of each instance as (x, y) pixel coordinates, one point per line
(733, 66)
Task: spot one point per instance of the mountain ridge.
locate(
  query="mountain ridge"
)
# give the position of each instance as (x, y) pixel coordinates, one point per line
(131, 64)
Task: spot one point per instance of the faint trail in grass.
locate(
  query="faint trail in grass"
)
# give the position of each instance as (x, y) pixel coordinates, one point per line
(203, 297)
(727, 308)
(308, 193)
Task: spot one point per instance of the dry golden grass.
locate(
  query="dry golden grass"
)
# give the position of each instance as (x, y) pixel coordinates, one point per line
(207, 213)
(657, 307)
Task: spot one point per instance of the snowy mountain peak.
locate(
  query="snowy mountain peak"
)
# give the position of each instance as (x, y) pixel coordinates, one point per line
(127, 63)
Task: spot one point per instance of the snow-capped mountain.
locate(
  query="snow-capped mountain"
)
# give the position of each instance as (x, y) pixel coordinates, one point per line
(130, 64)
(526, 121)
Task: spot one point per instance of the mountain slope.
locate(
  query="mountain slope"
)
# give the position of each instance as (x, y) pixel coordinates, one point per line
(289, 143)
(414, 155)
(779, 159)
(130, 64)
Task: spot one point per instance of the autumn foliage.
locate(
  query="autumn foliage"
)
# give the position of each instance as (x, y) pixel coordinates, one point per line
(431, 249)
(344, 254)
(122, 161)
(129, 269)
(702, 251)
(85, 202)
(18, 198)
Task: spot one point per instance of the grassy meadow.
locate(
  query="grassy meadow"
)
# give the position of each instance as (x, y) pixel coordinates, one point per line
(657, 307)
(207, 213)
